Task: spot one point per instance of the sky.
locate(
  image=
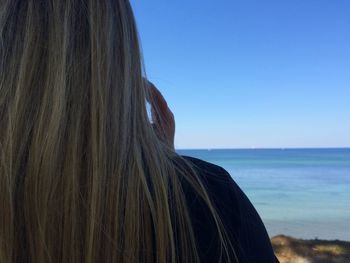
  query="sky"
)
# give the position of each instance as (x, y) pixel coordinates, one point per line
(251, 73)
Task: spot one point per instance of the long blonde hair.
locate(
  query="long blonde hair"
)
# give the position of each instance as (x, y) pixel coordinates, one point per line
(83, 176)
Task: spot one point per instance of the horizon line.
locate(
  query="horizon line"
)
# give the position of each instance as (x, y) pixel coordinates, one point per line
(267, 148)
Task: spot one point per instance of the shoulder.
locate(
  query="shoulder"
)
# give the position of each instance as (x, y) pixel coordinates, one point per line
(218, 182)
(220, 186)
(239, 217)
(204, 165)
(222, 190)
(209, 171)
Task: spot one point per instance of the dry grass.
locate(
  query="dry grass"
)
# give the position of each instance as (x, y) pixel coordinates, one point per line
(291, 250)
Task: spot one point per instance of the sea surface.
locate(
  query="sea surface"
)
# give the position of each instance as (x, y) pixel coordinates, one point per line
(304, 193)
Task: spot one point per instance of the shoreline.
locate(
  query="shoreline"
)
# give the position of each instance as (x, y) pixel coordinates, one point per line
(310, 229)
(293, 250)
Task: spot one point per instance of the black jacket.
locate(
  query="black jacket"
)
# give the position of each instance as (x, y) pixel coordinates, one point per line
(241, 221)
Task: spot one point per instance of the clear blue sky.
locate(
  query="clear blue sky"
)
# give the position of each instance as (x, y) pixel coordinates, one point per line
(251, 73)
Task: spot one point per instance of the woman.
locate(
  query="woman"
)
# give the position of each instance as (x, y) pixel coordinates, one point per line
(84, 175)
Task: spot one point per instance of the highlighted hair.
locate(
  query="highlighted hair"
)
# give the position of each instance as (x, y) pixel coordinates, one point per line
(83, 176)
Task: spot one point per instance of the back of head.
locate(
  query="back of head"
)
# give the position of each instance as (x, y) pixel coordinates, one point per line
(83, 177)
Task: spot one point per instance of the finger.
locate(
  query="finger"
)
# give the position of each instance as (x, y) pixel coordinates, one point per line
(159, 107)
(163, 118)
(157, 97)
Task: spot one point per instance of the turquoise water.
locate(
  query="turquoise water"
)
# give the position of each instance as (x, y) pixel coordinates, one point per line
(304, 193)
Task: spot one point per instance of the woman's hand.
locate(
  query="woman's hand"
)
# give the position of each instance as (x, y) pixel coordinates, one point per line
(163, 118)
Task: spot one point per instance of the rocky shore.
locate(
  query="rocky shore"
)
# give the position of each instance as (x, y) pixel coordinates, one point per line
(291, 250)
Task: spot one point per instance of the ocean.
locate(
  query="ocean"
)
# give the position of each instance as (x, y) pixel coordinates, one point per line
(304, 193)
